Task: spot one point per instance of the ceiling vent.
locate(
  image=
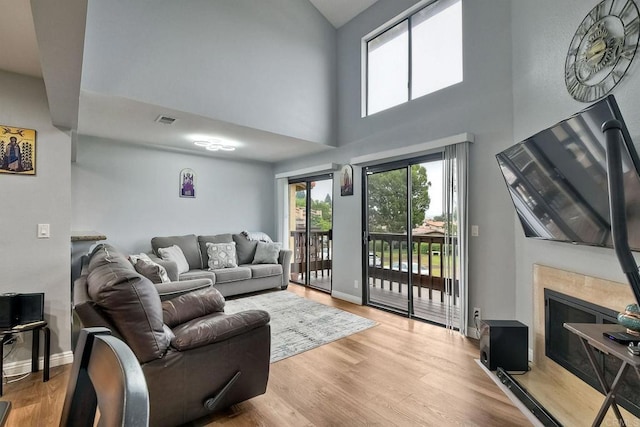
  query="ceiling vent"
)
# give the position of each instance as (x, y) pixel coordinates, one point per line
(166, 120)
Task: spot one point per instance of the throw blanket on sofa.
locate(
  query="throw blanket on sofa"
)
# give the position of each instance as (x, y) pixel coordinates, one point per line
(257, 235)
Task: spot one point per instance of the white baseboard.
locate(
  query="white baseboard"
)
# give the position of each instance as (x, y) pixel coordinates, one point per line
(24, 366)
(473, 332)
(346, 297)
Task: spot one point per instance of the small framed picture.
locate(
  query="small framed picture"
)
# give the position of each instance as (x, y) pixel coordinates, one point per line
(187, 183)
(17, 150)
(346, 181)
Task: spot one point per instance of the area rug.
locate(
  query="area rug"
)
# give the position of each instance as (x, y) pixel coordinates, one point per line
(298, 324)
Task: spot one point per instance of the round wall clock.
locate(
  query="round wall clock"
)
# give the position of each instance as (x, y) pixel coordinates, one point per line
(602, 49)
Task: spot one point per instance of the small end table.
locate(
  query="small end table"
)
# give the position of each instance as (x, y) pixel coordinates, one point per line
(35, 329)
(591, 337)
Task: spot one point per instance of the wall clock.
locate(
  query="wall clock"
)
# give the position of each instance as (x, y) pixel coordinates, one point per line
(602, 49)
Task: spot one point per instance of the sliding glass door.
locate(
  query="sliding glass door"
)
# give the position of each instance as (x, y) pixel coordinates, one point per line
(409, 253)
(310, 231)
(388, 238)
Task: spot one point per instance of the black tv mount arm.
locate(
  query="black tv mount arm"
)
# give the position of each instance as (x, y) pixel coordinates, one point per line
(612, 130)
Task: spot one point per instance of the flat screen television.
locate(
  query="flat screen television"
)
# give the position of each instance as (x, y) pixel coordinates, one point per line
(557, 179)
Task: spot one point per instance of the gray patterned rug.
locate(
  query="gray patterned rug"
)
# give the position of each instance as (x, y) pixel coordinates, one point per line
(298, 324)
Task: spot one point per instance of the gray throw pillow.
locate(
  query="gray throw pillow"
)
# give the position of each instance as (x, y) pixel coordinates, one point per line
(267, 253)
(221, 255)
(152, 271)
(175, 254)
(149, 268)
(245, 248)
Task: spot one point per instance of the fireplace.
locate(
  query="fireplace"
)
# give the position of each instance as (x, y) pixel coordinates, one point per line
(566, 349)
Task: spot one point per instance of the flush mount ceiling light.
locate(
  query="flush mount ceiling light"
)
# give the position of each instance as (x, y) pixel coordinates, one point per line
(214, 145)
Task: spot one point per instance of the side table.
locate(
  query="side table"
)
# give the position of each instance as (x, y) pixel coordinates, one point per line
(35, 329)
(591, 337)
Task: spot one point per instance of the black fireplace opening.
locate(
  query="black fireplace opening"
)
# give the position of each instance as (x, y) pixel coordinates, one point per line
(566, 349)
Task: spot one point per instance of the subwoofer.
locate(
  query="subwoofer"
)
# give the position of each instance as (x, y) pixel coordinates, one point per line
(17, 309)
(504, 344)
(9, 310)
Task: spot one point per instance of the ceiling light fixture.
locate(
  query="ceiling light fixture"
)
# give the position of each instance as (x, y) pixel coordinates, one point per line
(214, 145)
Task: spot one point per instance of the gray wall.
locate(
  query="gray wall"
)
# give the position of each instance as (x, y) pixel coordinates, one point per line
(267, 64)
(481, 105)
(130, 194)
(540, 99)
(30, 264)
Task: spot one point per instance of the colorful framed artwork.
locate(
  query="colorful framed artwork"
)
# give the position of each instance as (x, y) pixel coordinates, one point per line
(187, 183)
(346, 181)
(17, 150)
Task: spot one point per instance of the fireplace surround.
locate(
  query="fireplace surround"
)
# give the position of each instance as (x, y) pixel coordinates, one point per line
(566, 349)
(548, 380)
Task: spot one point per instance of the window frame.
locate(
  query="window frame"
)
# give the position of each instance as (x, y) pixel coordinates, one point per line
(407, 15)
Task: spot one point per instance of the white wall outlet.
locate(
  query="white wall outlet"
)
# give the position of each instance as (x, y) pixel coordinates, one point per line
(477, 314)
(44, 231)
(474, 231)
(355, 283)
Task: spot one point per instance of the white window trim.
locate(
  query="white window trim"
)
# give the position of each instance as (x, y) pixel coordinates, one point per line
(410, 151)
(363, 48)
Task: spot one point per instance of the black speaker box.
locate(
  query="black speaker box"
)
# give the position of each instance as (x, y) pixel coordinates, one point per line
(9, 310)
(31, 308)
(504, 344)
(18, 309)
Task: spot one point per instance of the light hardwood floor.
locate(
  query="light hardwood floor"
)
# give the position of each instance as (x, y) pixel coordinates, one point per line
(400, 372)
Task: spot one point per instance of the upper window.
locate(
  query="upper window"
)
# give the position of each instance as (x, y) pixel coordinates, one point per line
(417, 55)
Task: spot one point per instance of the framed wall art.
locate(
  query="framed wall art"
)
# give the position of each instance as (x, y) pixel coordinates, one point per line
(346, 181)
(187, 183)
(17, 150)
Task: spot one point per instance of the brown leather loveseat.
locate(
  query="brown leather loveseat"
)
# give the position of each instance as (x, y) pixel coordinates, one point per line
(196, 359)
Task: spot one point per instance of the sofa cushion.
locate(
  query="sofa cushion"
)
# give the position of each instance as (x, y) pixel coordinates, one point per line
(217, 238)
(188, 244)
(225, 275)
(174, 289)
(221, 255)
(129, 300)
(266, 253)
(198, 274)
(175, 254)
(265, 270)
(245, 248)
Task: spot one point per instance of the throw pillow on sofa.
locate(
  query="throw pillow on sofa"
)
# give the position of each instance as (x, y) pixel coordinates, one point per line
(221, 255)
(175, 254)
(267, 253)
(149, 269)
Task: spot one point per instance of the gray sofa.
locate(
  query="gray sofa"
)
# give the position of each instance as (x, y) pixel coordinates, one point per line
(245, 278)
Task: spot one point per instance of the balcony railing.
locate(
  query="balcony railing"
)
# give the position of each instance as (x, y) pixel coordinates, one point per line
(389, 262)
(319, 252)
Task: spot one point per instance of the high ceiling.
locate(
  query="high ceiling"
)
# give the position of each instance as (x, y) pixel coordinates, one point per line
(118, 118)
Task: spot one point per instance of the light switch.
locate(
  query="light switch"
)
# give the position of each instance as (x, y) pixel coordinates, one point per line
(474, 231)
(43, 231)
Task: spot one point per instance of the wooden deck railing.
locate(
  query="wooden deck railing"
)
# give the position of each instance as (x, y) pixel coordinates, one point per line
(389, 261)
(319, 252)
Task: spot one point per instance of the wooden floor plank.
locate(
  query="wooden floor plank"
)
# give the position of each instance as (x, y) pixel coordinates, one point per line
(398, 373)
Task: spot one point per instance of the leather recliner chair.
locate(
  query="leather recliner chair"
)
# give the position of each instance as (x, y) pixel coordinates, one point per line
(196, 359)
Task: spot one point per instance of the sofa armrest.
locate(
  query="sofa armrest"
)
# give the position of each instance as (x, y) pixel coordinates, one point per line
(284, 258)
(171, 290)
(192, 305)
(216, 327)
(170, 266)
